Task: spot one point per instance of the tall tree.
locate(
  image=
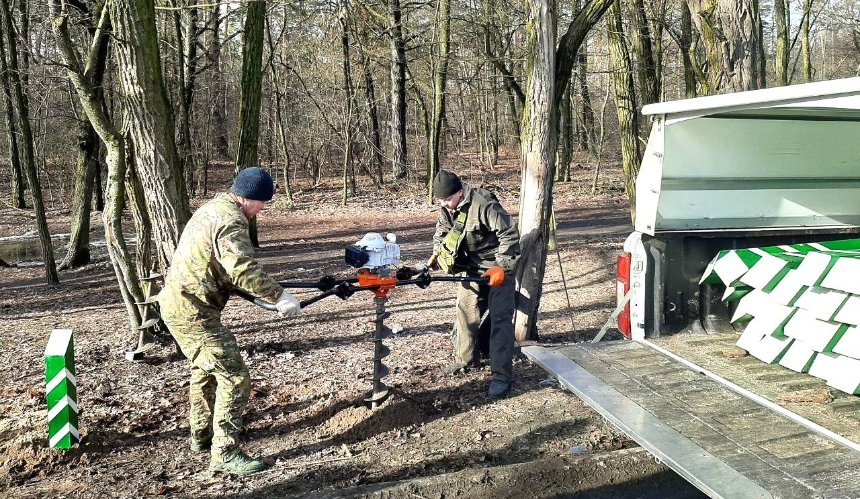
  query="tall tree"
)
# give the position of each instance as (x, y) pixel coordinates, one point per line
(151, 124)
(806, 60)
(780, 59)
(278, 71)
(398, 89)
(26, 144)
(538, 146)
(641, 42)
(187, 33)
(216, 82)
(92, 102)
(549, 73)
(625, 102)
(247, 154)
(17, 173)
(88, 162)
(349, 101)
(729, 32)
(440, 78)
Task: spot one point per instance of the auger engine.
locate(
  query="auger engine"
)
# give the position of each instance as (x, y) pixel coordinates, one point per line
(375, 259)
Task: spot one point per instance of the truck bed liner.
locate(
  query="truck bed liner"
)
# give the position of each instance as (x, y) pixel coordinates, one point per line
(722, 442)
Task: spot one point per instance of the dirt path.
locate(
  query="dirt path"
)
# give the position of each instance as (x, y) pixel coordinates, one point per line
(308, 374)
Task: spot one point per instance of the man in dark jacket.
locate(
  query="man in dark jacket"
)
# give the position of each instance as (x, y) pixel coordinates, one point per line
(476, 236)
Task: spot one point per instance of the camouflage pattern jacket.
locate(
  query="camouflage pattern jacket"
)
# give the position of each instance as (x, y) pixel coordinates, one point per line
(491, 235)
(214, 255)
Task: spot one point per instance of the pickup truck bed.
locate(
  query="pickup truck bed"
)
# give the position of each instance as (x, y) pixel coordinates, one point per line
(724, 443)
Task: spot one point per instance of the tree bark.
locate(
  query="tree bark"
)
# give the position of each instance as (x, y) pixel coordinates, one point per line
(539, 142)
(17, 173)
(88, 163)
(804, 41)
(216, 83)
(573, 37)
(685, 43)
(26, 144)
(247, 154)
(187, 35)
(642, 44)
(440, 78)
(729, 32)
(398, 90)
(92, 102)
(373, 117)
(625, 102)
(280, 91)
(565, 126)
(780, 59)
(348, 173)
(151, 123)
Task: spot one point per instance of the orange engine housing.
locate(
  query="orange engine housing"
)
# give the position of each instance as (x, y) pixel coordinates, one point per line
(386, 284)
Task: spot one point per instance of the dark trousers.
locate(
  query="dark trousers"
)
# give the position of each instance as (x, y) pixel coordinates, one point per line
(473, 301)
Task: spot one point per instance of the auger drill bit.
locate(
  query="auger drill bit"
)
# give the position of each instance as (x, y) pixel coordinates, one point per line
(380, 351)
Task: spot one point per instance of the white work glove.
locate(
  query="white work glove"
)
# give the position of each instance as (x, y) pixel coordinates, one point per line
(288, 305)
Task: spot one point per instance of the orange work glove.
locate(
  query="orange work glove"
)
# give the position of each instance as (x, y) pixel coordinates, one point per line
(496, 276)
(431, 262)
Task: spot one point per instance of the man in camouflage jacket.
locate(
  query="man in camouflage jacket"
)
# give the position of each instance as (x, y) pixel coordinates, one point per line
(476, 236)
(215, 255)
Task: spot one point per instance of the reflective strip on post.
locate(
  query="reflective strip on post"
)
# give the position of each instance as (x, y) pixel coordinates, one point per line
(61, 390)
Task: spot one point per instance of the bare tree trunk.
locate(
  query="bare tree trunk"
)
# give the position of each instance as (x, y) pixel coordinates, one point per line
(539, 142)
(625, 102)
(729, 31)
(151, 123)
(92, 102)
(17, 176)
(586, 132)
(440, 78)
(88, 163)
(348, 121)
(565, 125)
(573, 37)
(187, 34)
(373, 116)
(780, 59)
(219, 114)
(398, 90)
(249, 105)
(685, 44)
(641, 42)
(280, 91)
(26, 144)
(804, 41)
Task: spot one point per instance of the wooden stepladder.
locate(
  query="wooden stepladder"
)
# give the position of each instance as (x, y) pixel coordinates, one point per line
(61, 390)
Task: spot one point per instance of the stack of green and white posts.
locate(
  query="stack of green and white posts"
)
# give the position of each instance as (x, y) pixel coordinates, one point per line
(801, 305)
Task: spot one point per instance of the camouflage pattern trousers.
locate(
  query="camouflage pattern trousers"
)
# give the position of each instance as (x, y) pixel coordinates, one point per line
(473, 301)
(220, 383)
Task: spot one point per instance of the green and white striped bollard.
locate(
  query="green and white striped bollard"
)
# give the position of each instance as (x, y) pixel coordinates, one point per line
(61, 391)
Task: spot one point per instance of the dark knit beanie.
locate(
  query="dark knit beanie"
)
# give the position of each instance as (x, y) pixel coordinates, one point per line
(445, 184)
(254, 183)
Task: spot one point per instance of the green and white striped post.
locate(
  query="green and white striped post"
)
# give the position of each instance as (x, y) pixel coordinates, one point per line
(61, 390)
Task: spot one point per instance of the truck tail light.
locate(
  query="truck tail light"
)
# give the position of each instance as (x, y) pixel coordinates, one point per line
(622, 287)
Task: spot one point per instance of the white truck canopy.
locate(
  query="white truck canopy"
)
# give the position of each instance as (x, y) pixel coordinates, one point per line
(778, 158)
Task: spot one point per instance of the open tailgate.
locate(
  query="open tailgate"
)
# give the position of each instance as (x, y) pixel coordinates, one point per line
(725, 444)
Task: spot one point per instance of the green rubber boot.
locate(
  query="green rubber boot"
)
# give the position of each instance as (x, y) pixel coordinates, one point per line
(237, 464)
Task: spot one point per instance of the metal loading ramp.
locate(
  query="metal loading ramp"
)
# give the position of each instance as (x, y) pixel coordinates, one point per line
(723, 443)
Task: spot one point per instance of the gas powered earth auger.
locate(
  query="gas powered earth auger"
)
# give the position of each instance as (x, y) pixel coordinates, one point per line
(376, 259)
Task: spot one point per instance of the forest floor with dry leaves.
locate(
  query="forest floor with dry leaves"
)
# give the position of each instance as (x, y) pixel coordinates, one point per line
(309, 374)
